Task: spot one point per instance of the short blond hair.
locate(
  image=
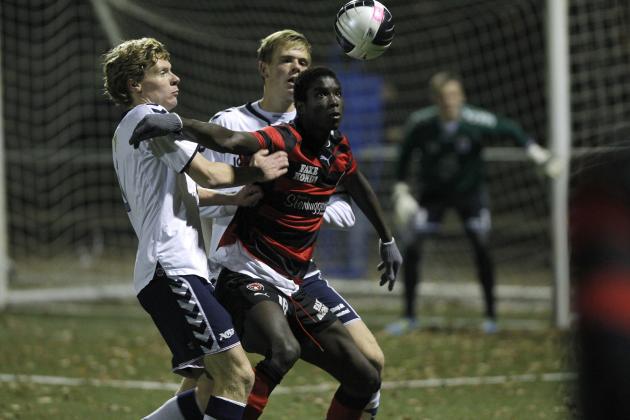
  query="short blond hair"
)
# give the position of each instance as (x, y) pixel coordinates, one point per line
(270, 43)
(128, 61)
(438, 80)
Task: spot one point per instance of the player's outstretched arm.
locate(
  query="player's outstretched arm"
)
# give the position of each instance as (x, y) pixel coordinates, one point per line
(265, 167)
(207, 134)
(247, 196)
(362, 193)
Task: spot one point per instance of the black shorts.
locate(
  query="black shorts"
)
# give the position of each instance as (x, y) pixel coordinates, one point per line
(238, 293)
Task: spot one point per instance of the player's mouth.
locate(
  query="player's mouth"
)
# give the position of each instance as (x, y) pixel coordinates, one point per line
(335, 116)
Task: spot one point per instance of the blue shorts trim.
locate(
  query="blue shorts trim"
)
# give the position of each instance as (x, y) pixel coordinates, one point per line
(317, 287)
(192, 322)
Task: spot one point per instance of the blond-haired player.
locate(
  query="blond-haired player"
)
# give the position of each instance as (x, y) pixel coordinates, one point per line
(159, 185)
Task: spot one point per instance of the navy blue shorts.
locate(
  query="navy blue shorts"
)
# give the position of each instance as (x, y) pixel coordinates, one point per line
(317, 287)
(239, 293)
(192, 322)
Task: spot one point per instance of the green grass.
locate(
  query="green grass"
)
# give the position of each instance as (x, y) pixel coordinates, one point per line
(118, 341)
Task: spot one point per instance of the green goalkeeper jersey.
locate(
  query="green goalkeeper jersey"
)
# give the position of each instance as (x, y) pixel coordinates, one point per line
(451, 162)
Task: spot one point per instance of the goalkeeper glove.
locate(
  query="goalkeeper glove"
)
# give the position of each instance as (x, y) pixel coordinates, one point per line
(405, 206)
(391, 262)
(155, 125)
(551, 165)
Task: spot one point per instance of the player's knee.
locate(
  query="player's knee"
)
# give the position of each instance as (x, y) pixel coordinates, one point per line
(232, 375)
(370, 381)
(285, 352)
(376, 357)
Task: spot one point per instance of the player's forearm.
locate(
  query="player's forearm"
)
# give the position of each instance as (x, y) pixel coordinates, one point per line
(215, 137)
(221, 175)
(363, 195)
(208, 197)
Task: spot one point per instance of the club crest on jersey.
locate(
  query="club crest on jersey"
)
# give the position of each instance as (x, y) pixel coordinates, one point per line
(307, 174)
(255, 287)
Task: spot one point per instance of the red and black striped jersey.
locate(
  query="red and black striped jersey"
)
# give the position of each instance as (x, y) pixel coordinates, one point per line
(282, 229)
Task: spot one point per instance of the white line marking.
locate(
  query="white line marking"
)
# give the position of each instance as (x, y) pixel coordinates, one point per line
(323, 387)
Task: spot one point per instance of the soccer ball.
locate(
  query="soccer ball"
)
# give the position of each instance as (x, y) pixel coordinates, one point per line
(364, 29)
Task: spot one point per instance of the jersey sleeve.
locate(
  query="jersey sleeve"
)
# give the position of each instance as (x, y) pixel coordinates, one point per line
(338, 213)
(174, 150)
(510, 128)
(175, 154)
(411, 140)
(271, 138)
(495, 125)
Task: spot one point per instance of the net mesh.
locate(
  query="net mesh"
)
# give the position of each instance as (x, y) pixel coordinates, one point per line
(68, 226)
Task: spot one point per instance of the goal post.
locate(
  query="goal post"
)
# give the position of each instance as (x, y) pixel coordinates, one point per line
(4, 232)
(559, 117)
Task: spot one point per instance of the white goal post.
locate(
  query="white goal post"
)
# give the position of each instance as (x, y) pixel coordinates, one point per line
(559, 112)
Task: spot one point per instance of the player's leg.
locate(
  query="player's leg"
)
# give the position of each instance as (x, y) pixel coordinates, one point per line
(426, 223)
(259, 313)
(197, 330)
(317, 287)
(477, 224)
(334, 351)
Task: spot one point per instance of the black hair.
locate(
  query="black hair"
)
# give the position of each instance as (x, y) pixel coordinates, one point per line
(306, 79)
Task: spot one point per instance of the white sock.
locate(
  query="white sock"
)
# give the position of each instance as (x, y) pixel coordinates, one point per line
(168, 411)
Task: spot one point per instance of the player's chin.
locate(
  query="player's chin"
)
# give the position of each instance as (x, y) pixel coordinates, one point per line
(171, 103)
(335, 121)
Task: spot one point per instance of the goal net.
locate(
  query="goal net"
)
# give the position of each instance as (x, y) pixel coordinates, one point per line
(67, 226)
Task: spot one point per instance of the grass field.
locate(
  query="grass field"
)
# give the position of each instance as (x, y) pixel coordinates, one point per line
(448, 371)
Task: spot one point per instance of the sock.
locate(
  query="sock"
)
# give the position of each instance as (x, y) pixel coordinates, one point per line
(266, 379)
(188, 405)
(168, 411)
(346, 407)
(372, 406)
(221, 408)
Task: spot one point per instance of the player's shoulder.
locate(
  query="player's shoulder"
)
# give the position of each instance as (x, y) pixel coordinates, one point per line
(423, 115)
(238, 118)
(144, 109)
(227, 114)
(132, 117)
(478, 116)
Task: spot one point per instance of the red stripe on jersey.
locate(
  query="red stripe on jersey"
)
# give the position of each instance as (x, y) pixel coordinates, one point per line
(282, 229)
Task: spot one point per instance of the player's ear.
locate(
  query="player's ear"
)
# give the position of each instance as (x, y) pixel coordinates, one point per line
(133, 86)
(263, 69)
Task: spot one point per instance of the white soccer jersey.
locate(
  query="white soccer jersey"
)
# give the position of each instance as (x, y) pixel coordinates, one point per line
(161, 201)
(247, 117)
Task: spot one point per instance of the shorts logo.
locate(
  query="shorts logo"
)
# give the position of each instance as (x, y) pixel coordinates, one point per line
(283, 304)
(255, 287)
(321, 309)
(226, 334)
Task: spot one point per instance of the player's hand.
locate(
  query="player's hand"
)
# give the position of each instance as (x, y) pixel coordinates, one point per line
(272, 165)
(405, 206)
(155, 125)
(248, 196)
(391, 262)
(553, 167)
(550, 165)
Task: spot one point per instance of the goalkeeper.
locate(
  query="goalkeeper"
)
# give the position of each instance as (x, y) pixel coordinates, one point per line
(449, 137)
